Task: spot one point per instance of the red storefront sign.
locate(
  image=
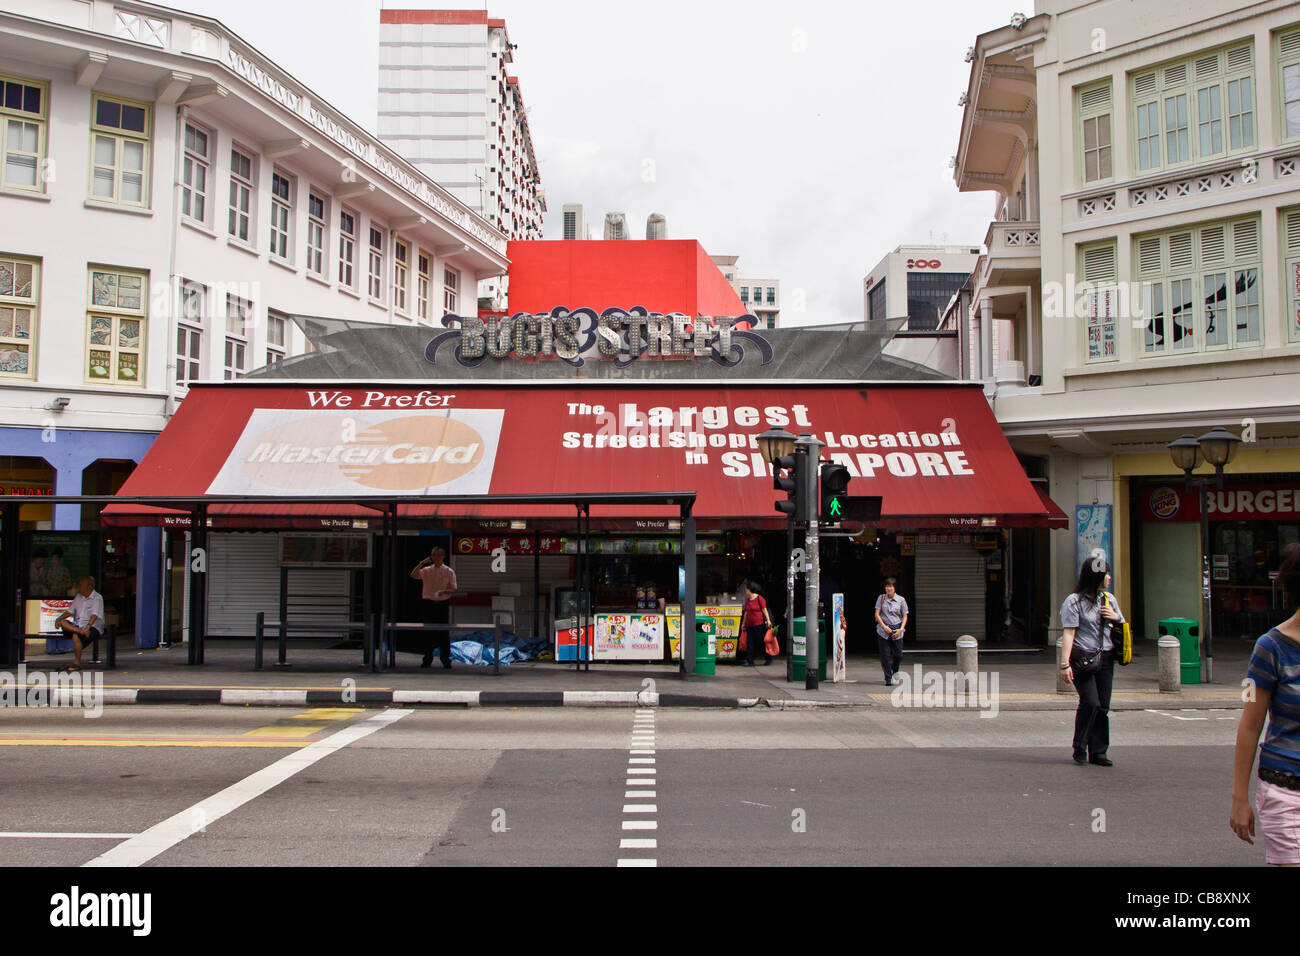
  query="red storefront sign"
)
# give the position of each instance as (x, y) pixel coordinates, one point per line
(1265, 501)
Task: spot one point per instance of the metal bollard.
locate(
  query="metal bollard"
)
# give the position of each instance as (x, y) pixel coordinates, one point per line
(496, 638)
(259, 640)
(1063, 686)
(282, 658)
(968, 654)
(1169, 654)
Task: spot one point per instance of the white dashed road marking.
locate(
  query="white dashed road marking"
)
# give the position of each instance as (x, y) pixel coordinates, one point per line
(641, 775)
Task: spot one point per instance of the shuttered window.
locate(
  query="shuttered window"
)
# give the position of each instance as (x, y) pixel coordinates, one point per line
(1291, 270)
(1288, 49)
(1094, 110)
(1194, 109)
(1099, 276)
(1200, 288)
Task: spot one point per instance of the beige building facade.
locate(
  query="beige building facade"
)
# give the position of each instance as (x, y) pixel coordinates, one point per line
(1145, 257)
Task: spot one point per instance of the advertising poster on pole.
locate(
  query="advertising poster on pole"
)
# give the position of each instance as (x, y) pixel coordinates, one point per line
(837, 641)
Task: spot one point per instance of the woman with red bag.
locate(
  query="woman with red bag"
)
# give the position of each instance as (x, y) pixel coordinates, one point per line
(756, 622)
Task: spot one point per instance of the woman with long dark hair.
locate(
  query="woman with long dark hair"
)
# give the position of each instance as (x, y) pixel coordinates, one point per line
(1275, 681)
(1089, 657)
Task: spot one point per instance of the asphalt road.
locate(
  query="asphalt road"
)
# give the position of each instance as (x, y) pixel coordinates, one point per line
(222, 786)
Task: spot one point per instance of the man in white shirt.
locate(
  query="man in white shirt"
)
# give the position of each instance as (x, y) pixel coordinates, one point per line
(84, 617)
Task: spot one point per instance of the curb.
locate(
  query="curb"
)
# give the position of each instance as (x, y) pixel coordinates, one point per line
(354, 697)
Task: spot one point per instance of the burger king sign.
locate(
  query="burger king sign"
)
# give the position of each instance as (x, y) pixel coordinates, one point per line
(1164, 502)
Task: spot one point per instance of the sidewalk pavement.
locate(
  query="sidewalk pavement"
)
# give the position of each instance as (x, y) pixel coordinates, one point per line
(320, 673)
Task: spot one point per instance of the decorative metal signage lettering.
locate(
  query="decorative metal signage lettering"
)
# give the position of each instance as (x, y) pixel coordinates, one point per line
(623, 335)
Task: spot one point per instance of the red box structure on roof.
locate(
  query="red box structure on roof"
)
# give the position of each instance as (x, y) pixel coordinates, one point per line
(664, 275)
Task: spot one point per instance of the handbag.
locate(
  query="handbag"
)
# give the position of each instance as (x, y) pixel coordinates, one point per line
(1121, 640)
(1086, 663)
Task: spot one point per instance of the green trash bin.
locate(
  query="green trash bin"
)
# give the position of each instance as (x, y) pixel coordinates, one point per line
(706, 646)
(799, 649)
(1188, 632)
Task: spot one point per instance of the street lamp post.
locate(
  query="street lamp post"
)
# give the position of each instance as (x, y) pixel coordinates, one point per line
(1218, 448)
(773, 444)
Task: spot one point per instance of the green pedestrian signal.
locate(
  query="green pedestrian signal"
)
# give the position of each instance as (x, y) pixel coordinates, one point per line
(834, 487)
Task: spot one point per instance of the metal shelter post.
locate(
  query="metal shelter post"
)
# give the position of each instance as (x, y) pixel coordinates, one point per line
(390, 563)
(13, 626)
(537, 584)
(687, 602)
(198, 582)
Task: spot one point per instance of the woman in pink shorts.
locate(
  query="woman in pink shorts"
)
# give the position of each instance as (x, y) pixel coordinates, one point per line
(1275, 680)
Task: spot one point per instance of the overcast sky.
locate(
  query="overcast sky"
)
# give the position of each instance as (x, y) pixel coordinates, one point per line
(810, 138)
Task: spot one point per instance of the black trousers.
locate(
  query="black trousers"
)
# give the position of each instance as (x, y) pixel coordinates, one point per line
(1091, 723)
(437, 612)
(891, 655)
(754, 634)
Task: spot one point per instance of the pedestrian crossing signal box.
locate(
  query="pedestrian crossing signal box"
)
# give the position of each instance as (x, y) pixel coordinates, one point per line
(837, 504)
(852, 508)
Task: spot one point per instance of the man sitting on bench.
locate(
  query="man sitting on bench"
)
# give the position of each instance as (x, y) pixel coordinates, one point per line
(84, 621)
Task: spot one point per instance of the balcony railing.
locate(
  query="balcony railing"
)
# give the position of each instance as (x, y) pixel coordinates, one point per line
(1013, 239)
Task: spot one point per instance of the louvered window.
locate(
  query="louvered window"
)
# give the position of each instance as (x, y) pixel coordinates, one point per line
(1291, 240)
(1289, 63)
(1095, 133)
(1196, 109)
(1200, 288)
(1101, 301)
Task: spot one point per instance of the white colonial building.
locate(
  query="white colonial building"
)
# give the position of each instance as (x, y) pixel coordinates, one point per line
(169, 196)
(1145, 259)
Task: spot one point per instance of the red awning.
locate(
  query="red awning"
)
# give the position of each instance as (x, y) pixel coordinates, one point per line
(1056, 517)
(934, 453)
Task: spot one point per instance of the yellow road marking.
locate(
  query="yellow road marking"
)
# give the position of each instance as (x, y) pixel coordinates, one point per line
(328, 713)
(122, 740)
(286, 730)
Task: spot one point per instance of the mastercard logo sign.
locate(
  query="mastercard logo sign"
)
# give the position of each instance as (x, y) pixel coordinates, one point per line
(1164, 502)
(410, 453)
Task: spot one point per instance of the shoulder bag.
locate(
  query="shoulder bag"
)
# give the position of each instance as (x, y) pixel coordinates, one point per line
(1087, 662)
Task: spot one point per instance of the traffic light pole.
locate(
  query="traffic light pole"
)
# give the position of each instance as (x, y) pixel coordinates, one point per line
(789, 599)
(811, 447)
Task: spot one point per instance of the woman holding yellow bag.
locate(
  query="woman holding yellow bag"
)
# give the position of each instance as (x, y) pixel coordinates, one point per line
(1087, 617)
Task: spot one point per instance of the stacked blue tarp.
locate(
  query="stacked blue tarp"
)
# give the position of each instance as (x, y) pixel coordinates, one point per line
(476, 648)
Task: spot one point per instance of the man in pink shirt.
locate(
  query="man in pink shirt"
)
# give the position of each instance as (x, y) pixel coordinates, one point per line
(438, 583)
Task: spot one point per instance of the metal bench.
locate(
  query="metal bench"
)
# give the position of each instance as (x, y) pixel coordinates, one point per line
(314, 627)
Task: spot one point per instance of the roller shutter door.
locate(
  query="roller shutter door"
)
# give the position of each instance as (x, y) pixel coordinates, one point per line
(243, 578)
(949, 593)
